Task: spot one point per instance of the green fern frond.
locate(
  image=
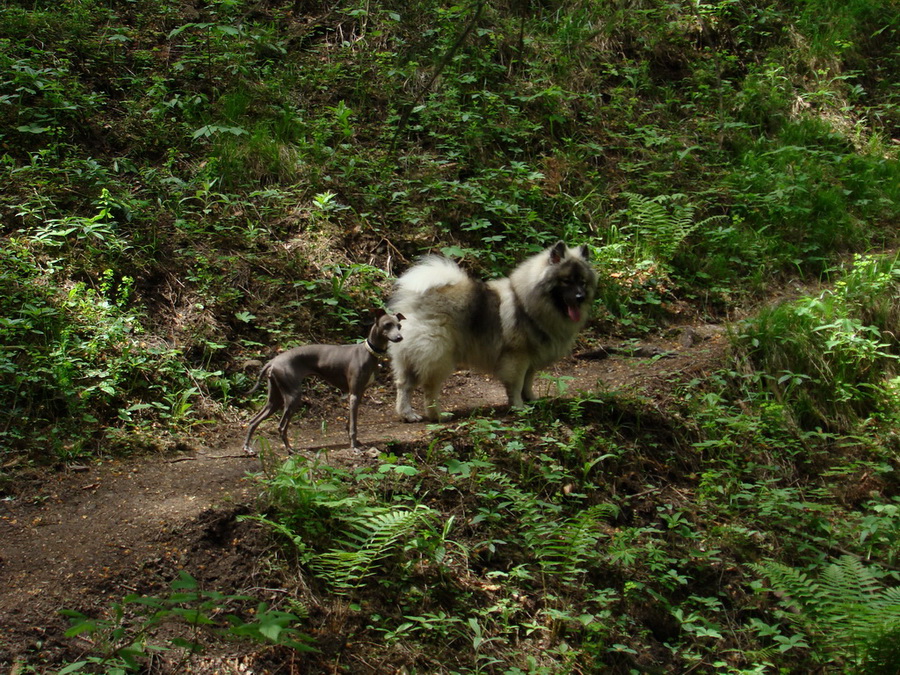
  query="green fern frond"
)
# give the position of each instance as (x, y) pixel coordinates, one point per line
(802, 592)
(566, 549)
(295, 538)
(888, 601)
(848, 610)
(848, 582)
(373, 537)
(662, 223)
(600, 512)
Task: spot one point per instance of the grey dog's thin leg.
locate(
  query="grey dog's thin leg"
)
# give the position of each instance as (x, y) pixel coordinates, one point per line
(291, 404)
(354, 411)
(273, 405)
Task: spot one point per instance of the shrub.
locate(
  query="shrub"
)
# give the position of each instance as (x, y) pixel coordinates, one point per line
(830, 357)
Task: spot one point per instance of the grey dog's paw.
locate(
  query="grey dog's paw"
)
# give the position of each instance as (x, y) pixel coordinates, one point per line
(250, 452)
(411, 417)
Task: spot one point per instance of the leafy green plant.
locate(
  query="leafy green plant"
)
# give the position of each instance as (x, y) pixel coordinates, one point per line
(821, 358)
(126, 640)
(645, 255)
(878, 530)
(96, 233)
(347, 291)
(80, 356)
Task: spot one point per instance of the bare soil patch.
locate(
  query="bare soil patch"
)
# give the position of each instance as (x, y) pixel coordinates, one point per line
(85, 537)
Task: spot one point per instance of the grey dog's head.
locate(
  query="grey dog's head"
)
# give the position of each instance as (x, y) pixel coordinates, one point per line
(574, 280)
(387, 326)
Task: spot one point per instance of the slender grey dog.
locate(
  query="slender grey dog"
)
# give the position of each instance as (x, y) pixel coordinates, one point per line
(350, 368)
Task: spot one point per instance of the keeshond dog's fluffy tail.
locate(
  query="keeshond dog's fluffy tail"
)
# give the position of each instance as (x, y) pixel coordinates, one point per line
(509, 327)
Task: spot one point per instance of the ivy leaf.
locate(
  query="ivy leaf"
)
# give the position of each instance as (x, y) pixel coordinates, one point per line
(32, 129)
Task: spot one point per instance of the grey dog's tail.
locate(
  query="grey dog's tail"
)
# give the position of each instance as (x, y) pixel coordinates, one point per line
(262, 373)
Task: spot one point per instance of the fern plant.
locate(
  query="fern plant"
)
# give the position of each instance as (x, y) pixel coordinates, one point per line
(563, 547)
(571, 547)
(339, 533)
(659, 225)
(846, 612)
(372, 536)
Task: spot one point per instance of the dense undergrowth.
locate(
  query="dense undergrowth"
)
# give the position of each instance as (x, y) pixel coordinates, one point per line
(189, 186)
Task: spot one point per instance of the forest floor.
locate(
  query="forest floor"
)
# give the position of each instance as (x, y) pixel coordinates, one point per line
(85, 537)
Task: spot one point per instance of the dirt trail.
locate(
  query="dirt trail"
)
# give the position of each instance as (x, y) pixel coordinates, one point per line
(85, 537)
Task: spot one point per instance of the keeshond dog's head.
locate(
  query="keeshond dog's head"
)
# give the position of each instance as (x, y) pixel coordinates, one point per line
(574, 281)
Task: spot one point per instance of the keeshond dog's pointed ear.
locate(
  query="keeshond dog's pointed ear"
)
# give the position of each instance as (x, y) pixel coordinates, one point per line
(585, 251)
(558, 252)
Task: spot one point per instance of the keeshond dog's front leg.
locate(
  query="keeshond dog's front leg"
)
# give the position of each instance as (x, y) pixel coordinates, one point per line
(527, 386)
(514, 375)
(404, 402)
(432, 392)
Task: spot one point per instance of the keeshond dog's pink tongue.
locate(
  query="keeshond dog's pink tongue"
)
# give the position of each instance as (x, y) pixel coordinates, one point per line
(574, 313)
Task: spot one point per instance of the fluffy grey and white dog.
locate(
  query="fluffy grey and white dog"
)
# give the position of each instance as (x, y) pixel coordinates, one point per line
(509, 327)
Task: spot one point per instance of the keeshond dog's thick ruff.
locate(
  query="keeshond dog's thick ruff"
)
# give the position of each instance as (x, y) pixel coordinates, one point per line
(509, 327)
